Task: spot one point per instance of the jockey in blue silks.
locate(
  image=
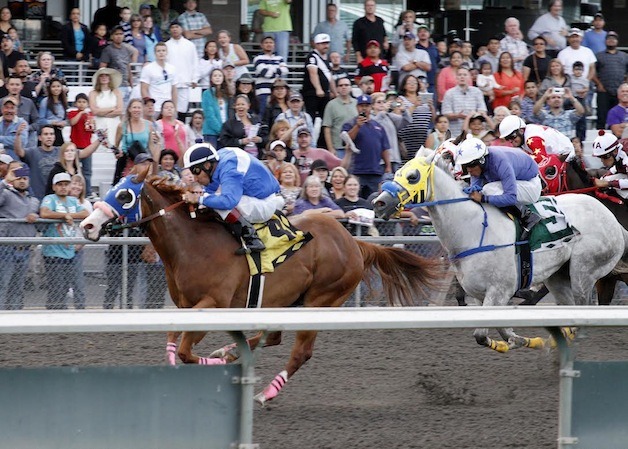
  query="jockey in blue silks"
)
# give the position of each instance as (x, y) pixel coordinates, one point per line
(501, 176)
(237, 186)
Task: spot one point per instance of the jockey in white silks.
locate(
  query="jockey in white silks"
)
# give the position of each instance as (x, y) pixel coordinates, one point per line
(536, 140)
(611, 152)
(237, 186)
(501, 176)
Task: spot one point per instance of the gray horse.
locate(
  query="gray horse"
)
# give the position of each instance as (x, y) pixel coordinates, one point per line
(569, 271)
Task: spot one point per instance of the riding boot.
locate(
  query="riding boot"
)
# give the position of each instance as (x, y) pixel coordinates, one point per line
(528, 220)
(245, 232)
(531, 297)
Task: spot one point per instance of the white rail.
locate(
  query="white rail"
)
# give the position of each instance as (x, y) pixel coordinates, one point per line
(22, 322)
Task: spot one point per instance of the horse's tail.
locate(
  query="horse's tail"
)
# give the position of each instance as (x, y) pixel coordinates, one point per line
(406, 277)
(624, 258)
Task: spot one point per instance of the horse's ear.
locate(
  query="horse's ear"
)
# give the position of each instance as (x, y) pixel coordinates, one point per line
(142, 172)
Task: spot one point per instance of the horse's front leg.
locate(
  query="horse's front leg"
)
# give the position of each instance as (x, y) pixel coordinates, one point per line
(186, 355)
(171, 348)
(231, 354)
(301, 353)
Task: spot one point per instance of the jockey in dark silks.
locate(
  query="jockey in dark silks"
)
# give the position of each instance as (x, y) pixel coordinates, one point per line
(237, 186)
(503, 177)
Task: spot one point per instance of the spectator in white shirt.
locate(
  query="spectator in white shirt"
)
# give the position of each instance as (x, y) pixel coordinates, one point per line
(576, 52)
(158, 79)
(551, 26)
(182, 55)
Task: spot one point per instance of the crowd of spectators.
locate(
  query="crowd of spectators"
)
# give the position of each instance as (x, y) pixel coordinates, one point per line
(408, 91)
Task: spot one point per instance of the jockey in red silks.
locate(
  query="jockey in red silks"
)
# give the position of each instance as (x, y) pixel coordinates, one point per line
(537, 140)
(237, 186)
(610, 150)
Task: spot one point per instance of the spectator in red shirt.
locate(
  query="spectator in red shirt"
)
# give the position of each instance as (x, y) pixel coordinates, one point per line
(82, 128)
(374, 66)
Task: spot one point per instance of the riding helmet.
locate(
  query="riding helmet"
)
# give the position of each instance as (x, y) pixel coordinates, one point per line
(509, 125)
(471, 149)
(198, 154)
(604, 143)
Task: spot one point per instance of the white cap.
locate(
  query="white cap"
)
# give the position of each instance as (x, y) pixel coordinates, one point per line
(322, 38)
(276, 144)
(6, 159)
(60, 177)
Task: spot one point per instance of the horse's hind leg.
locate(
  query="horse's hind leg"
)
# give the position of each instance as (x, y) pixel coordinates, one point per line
(301, 353)
(171, 348)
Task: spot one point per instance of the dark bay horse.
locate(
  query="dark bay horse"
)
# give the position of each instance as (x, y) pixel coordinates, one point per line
(203, 272)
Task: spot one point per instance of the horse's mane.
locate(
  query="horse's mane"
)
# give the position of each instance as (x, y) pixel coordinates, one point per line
(163, 184)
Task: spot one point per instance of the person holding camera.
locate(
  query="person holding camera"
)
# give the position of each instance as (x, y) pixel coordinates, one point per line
(557, 117)
(372, 141)
(392, 116)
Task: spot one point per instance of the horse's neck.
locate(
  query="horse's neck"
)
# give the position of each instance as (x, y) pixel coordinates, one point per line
(459, 225)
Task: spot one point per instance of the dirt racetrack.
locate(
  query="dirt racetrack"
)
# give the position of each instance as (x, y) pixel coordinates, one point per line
(383, 389)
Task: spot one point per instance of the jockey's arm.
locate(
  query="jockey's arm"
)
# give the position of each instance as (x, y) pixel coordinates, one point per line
(508, 179)
(536, 144)
(620, 184)
(231, 191)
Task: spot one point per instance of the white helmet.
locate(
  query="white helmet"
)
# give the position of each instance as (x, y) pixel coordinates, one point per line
(509, 125)
(471, 149)
(199, 153)
(605, 143)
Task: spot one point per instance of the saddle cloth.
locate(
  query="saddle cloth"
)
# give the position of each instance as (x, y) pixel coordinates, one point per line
(282, 240)
(554, 230)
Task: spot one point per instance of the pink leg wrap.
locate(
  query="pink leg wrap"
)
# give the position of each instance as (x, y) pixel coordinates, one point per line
(273, 388)
(208, 361)
(171, 354)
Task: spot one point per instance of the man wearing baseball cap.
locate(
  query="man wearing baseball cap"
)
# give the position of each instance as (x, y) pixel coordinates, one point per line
(370, 138)
(373, 65)
(318, 83)
(411, 60)
(576, 52)
(306, 153)
(366, 29)
(610, 69)
(62, 268)
(15, 202)
(595, 38)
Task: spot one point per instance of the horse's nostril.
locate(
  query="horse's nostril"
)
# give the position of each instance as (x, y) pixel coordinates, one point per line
(378, 204)
(88, 226)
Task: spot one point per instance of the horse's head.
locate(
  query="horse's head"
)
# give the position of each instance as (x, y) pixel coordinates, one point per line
(121, 203)
(411, 184)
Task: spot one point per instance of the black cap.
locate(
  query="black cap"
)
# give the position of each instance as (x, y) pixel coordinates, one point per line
(319, 164)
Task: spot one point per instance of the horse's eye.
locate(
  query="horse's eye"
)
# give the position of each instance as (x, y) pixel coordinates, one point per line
(413, 177)
(126, 198)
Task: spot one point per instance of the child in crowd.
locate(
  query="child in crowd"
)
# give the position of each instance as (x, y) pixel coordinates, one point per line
(485, 81)
(17, 43)
(515, 108)
(97, 43)
(82, 125)
(580, 89)
(296, 116)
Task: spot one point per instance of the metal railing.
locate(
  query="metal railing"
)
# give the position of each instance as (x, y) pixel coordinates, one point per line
(116, 272)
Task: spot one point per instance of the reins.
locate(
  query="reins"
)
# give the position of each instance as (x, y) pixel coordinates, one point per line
(159, 213)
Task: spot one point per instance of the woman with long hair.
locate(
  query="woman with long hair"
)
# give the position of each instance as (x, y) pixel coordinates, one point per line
(233, 53)
(75, 38)
(194, 129)
(244, 85)
(556, 77)
(172, 130)
(352, 201)
(152, 36)
(243, 129)
(215, 105)
(68, 163)
(210, 61)
(414, 134)
(277, 102)
(440, 133)
(163, 16)
(312, 200)
(510, 80)
(289, 182)
(447, 76)
(133, 136)
(338, 176)
(5, 19)
(105, 101)
(52, 109)
(138, 37)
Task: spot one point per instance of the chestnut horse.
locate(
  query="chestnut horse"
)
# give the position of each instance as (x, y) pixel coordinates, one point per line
(203, 272)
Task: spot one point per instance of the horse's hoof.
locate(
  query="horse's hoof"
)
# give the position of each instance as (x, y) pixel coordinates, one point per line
(517, 342)
(260, 398)
(222, 352)
(171, 358)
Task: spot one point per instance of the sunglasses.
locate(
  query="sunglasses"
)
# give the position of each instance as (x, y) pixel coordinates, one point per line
(197, 192)
(606, 156)
(196, 170)
(472, 164)
(165, 75)
(511, 137)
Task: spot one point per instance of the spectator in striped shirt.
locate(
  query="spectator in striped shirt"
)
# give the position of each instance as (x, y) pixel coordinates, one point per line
(461, 100)
(268, 67)
(125, 23)
(513, 42)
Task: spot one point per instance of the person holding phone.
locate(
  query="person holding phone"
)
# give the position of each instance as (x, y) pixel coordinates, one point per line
(557, 117)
